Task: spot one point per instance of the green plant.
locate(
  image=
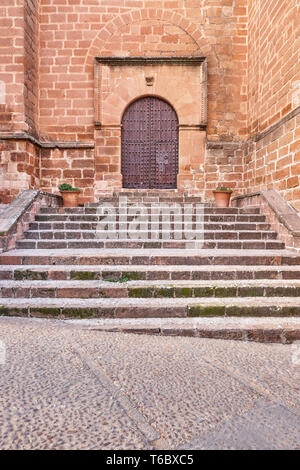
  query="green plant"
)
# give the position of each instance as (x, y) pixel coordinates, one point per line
(221, 188)
(67, 187)
(123, 278)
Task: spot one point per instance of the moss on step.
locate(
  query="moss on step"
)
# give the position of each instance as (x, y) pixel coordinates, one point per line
(111, 276)
(4, 310)
(30, 275)
(290, 311)
(152, 245)
(137, 292)
(284, 291)
(203, 291)
(255, 311)
(225, 291)
(251, 291)
(13, 311)
(206, 311)
(84, 276)
(164, 292)
(183, 292)
(124, 278)
(44, 311)
(134, 276)
(78, 312)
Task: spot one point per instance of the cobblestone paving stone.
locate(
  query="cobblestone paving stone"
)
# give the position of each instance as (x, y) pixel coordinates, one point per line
(65, 386)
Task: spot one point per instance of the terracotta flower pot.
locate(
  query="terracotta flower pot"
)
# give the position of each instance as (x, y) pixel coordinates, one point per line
(222, 198)
(70, 198)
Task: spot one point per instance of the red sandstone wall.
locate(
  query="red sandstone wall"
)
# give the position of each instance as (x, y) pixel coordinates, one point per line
(19, 160)
(273, 162)
(19, 168)
(253, 83)
(73, 166)
(31, 64)
(224, 165)
(11, 65)
(273, 61)
(73, 32)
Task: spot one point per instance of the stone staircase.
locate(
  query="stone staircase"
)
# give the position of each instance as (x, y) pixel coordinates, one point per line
(180, 258)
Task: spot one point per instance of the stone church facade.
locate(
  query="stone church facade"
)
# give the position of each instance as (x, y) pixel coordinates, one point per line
(113, 94)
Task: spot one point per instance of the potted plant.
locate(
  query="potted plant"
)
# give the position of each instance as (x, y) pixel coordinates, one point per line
(69, 195)
(222, 196)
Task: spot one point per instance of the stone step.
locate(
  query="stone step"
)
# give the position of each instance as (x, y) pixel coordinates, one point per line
(150, 199)
(148, 289)
(150, 257)
(151, 308)
(97, 218)
(124, 273)
(149, 192)
(144, 194)
(140, 243)
(188, 209)
(148, 235)
(166, 204)
(155, 209)
(86, 226)
(259, 329)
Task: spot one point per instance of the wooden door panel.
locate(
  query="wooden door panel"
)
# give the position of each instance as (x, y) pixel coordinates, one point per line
(149, 144)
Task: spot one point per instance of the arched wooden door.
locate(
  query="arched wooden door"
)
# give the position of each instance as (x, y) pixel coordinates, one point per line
(149, 144)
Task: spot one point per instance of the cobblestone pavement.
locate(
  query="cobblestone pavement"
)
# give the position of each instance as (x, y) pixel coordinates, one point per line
(66, 386)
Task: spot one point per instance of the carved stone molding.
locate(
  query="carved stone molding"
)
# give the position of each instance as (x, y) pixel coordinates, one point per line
(180, 60)
(115, 82)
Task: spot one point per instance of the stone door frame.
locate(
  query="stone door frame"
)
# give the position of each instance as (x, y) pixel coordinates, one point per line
(119, 81)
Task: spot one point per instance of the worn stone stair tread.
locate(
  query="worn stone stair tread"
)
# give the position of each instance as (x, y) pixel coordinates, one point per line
(191, 322)
(147, 289)
(145, 268)
(148, 252)
(200, 244)
(152, 302)
(178, 236)
(148, 283)
(150, 231)
(155, 212)
(78, 223)
(155, 245)
(188, 208)
(98, 217)
(153, 272)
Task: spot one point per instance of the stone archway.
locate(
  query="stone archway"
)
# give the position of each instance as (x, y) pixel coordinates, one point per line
(120, 81)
